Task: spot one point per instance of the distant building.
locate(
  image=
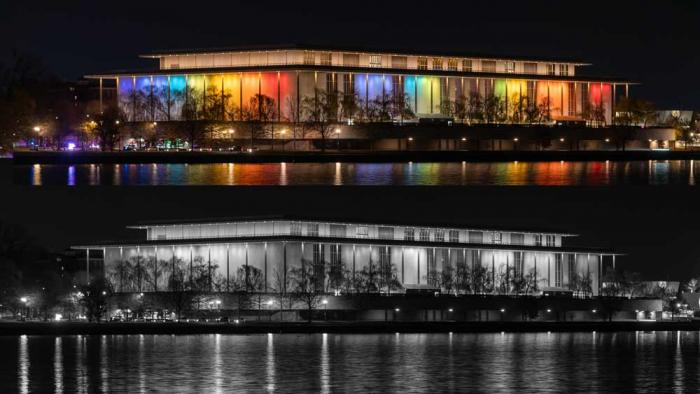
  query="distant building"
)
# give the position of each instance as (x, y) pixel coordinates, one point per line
(267, 254)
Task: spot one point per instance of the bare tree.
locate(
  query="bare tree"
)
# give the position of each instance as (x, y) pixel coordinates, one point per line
(304, 285)
(321, 113)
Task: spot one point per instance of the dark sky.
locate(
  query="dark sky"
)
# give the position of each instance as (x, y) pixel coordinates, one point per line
(652, 42)
(656, 226)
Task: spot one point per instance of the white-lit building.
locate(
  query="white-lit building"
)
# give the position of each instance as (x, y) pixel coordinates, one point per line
(266, 254)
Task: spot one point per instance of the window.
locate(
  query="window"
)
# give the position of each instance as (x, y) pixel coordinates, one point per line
(409, 234)
(422, 63)
(550, 68)
(454, 236)
(339, 230)
(518, 264)
(497, 237)
(530, 68)
(439, 236)
(295, 229)
(375, 61)
(558, 271)
(174, 65)
(563, 69)
(517, 239)
(326, 58)
(386, 233)
(384, 265)
(331, 83)
(309, 58)
(476, 237)
(399, 62)
(452, 64)
(318, 267)
(362, 231)
(351, 59)
(488, 66)
(538, 239)
(467, 65)
(549, 240)
(424, 234)
(437, 63)
(510, 67)
(312, 229)
(348, 84)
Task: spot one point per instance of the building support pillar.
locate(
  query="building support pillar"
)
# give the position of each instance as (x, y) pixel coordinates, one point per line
(87, 266)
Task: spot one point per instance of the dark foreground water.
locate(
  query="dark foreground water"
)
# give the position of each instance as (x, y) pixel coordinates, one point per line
(596, 173)
(566, 362)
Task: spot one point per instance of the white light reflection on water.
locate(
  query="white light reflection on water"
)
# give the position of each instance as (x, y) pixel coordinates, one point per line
(513, 362)
(23, 364)
(58, 366)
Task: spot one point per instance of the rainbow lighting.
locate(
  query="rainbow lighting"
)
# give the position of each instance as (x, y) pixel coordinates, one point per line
(288, 74)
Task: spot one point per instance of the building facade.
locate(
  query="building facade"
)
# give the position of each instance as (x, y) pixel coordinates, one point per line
(222, 83)
(273, 255)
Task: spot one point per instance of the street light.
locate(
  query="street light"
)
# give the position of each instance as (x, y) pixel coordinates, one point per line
(325, 311)
(337, 133)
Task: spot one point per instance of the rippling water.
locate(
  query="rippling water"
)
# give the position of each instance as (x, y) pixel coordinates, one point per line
(652, 172)
(569, 362)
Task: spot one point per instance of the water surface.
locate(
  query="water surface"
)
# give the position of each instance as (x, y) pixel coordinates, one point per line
(407, 363)
(588, 173)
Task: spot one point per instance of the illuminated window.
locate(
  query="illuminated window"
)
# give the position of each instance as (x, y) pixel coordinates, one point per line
(538, 239)
(517, 239)
(510, 67)
(326, 59)
(295, 229)
(558, 271)
(530, 68)
(454, 236)
(518, 263)
(439, 235)
(497, 237)
(422, 63)
(550, 68)
(348, 84)
(351, 59)
(424, 235)
(549, 240)
(488, 66)
(452, 64)
(331, 83)
(312, 229)
(437, 63)
(563, 69)
(309, 58)
(362, 231)
(339, 230)
(467, 65)
(409, 234)
(399, 62)
(375, 61)
(476, 237)
(386, 233)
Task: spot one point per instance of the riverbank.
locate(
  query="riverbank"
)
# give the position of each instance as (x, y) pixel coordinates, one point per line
(261, 327)
(349, 156)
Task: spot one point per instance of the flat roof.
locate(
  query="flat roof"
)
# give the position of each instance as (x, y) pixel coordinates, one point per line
(338, 220)
(365, 70)
(358, 49)
(333, 240)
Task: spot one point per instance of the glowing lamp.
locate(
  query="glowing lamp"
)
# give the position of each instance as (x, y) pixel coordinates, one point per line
(24, 299)
(503, 310)
(397, 309)
(450, 310)
(515, 139)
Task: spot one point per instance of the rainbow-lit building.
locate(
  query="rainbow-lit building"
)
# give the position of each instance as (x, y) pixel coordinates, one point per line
(231, 77)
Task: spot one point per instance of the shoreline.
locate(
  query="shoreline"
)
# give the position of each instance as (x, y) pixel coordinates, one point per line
(264, 327)
(24, 158)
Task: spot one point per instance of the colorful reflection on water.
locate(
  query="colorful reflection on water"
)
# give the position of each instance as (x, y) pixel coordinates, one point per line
(588, 173)
(663, 361)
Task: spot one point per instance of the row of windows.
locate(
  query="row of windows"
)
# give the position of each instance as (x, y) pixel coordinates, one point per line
(436, 63)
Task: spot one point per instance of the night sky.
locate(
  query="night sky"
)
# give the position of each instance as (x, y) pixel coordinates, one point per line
(652, 42)
(656, 226)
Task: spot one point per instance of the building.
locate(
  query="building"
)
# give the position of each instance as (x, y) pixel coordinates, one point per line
(219, 84)
(274, 254)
